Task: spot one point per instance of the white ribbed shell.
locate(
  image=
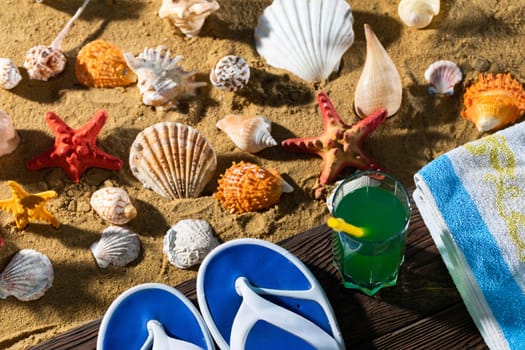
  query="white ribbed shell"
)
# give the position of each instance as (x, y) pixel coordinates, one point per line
(117, 246)
(9, 74)
(113, 205)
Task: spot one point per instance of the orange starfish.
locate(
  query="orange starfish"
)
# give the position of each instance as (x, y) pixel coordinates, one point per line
(27, 207)
(340, 144)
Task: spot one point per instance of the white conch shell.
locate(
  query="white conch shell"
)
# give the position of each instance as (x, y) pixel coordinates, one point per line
(380, 84)
(442, 76)
(251, 134)
(117, 246)
(28, 276)
(307, 38)
(418, 13)
(9, 74)
(231, 73)
(160, 81)
(188, 241)
(113, 205)
(9, 138)
(172, 159)
(188, 15)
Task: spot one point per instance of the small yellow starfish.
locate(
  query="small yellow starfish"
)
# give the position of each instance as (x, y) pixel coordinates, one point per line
(27, 207)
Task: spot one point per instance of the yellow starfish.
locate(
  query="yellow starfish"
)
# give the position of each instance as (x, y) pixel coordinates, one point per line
(27, 207)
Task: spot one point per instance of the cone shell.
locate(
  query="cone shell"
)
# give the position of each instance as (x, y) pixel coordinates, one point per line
(418, 13)
(246, 187)
(100, 64)
(113, 205)
(117, 246)
(9, 138)
(250, 134)
(44, 62)
(188, 15)
(442, 76)
(494, 101)
(27, 277)
(172, 159)
(9, 74)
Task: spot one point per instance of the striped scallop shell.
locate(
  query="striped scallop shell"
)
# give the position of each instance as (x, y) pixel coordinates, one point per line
(172, 159)
(442, 76)
(117, 246)
(251, 134)
(231, 73)
(247, 187)
(28, 276)
(9, 74)
(113, 205)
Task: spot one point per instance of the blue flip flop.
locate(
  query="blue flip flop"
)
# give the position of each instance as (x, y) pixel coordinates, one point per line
(255, 295)
(153, 316)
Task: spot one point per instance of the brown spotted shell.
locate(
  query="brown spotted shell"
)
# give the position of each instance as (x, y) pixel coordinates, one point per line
(246, 187)
(44, 62)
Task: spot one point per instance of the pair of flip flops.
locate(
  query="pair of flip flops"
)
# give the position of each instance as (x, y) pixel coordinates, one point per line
(252, 294)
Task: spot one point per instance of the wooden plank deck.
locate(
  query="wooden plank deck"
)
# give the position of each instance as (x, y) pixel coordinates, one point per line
(424, 310)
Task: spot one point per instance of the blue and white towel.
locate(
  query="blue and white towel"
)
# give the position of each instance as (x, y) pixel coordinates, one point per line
(472, 200)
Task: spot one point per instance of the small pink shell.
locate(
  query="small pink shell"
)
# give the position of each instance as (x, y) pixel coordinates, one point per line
(251, 134)
(443, 76)
(9, 138)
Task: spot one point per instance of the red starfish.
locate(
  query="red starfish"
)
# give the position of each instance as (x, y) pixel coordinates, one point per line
(340, 144)
(75, 150)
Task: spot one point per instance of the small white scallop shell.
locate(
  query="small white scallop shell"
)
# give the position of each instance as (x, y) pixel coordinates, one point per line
(251, 134)
(231, 73)
(113, 205)
(188, 241)
(442, 76)
(307, 38)
(9, 74)
(188, 15)
(28, 276)
(117, 246)
(418, 13)
(9, 138)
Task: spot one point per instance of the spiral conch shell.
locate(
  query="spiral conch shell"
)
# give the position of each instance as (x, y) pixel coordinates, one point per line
(188, 15)
(9, 138)
(251, 134)
(494, 101)
(380, 84)
(113, 205)
(9, 74)
(246, 187)
(418, 13)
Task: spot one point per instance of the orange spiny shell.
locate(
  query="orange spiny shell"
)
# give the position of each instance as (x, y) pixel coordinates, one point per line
(246, 187)
(101, 64)
(494, 101)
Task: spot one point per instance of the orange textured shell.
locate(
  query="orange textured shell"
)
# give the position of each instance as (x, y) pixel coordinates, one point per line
(494, 101)
(246, 187)
(100, 64)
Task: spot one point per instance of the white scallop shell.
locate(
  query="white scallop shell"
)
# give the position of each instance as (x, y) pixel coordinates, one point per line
(418, 13)
(442, 76)
(28, 276)
(188, 241)
(231, 73)
(113, 205)
(305, 37)
(188, 15)
(9, 138)
(251, 134)
(172, 159)
(9, 74)
(117, 246)
(161, 81)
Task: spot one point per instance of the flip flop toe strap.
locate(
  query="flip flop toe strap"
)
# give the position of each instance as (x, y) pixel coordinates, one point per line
(159, 340)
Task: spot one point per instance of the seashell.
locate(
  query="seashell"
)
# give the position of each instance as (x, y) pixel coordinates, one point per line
(172, 159)
(231, 73)
(9, 138)
(250, 134)
(161, 82)
(307, 38)
(246, 187)
(418, 13)
(43, 62)
(100, 64)
(9, 74)
(117, 246)
(494, 101)
(188, 15)
(188, 241)
(27, 276)
(443, 76)
(380, 84)
(113, 205)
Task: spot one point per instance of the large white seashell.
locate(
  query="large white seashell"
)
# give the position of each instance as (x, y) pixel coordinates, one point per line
(28, 276)
(117, 246)
(188, 15)
(231, 73)
(188, 241)
(160, 80)
(9, 74)
(251, 134)
(380, 84)
(442, 76)
(172, 159)
(9, 138)
(418, 13)
(113, 205)
(305, 37)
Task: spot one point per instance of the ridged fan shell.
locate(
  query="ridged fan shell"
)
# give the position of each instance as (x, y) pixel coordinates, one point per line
(442, 76)
(113, 205)
(249, 133)
(172, 159)
(117, 246)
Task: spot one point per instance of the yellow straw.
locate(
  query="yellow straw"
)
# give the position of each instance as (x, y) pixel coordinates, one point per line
(339, 224)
